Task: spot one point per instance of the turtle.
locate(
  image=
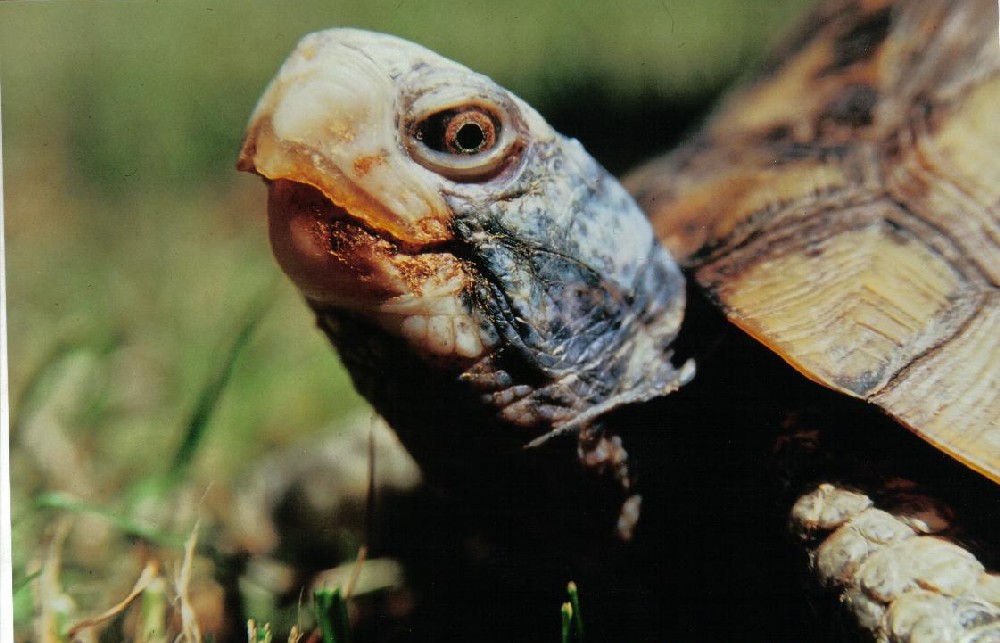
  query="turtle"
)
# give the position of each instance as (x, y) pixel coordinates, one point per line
(814, 275)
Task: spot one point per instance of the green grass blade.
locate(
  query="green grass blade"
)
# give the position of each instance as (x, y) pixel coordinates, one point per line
(35, 392)
(208, 401)
(22, 583)
(566, 612)
(331, 615)
(153, 612)
(572, 622)
(64, 502)
(574, 600)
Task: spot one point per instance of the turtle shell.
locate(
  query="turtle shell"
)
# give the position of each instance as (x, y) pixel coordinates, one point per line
(844, 209)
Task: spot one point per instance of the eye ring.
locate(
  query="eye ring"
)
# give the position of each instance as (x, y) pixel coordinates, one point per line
(471, 142)
(470, 132)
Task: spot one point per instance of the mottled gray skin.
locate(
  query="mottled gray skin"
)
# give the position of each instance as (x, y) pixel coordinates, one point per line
(581, 329)
(578, 330)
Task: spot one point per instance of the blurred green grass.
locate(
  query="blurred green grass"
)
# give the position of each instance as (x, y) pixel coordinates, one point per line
(134, 249)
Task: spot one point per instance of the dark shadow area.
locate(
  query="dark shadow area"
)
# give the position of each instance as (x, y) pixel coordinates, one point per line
(712, 559)
(623, 132)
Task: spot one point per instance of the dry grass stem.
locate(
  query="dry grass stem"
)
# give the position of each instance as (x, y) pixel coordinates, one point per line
(190, 632)
(356, 572)
(148, 575)
(53, 605)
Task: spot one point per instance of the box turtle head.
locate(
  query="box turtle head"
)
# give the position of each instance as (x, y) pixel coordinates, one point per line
(443, 232)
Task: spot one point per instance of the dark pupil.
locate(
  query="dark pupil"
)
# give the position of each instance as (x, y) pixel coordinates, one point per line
(458, 131)
(470, 137)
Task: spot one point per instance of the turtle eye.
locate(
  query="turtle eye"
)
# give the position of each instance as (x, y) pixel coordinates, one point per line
(466, 132)
(462, 144)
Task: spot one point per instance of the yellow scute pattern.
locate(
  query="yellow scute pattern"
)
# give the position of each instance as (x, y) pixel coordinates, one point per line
(953, 397)
(855, 311)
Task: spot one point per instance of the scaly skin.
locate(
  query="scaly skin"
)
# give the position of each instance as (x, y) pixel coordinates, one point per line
(490, 286)
(900, 581)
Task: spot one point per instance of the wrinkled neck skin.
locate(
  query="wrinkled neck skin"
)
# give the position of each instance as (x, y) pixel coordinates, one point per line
(579, 304)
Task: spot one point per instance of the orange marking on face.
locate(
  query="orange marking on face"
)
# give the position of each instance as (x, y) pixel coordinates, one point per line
(364, 164)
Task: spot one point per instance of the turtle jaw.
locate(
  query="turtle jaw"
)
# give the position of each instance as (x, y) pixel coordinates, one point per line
(330, 254)
(341, 262)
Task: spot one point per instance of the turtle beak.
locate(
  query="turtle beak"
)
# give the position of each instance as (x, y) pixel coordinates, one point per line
(328, 252)
(346, 204)
(329, 119)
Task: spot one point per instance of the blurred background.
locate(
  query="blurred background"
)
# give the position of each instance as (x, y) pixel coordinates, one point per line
(155, 348)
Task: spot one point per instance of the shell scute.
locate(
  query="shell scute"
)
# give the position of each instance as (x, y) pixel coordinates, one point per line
(844, 209)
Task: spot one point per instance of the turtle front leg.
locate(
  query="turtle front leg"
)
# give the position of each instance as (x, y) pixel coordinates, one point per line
(899, 556)
(894, 570)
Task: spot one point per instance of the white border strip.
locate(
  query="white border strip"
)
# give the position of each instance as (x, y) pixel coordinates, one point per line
(6, 558)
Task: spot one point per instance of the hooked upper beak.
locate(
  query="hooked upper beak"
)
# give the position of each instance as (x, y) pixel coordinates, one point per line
(345, 200)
